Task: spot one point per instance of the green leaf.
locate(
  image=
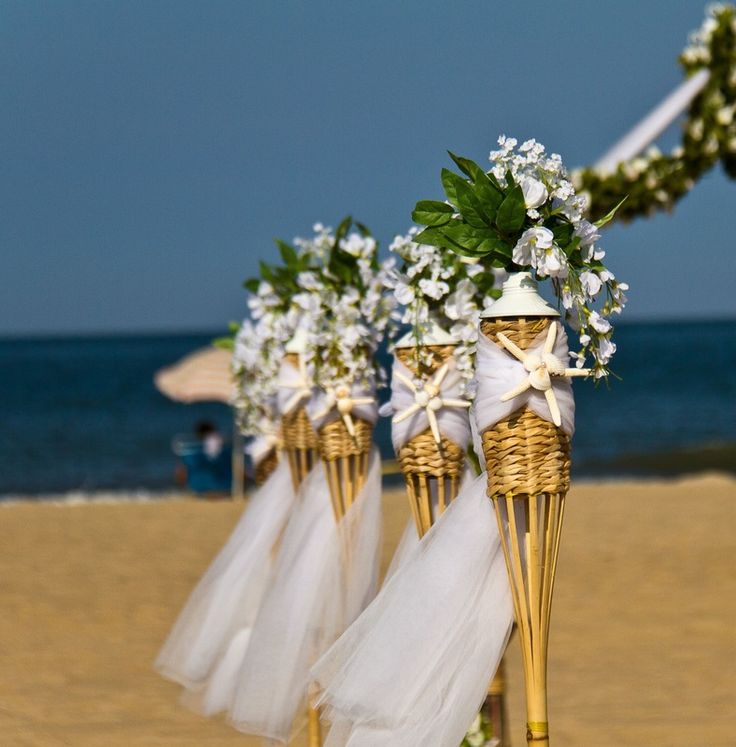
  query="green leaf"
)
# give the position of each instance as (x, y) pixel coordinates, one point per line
(450, 181)
(563, 234)
(489, 195)
(266, 272)
(511, 212)
(431, 237)
(469, 205)
(432, 213)
(342, 229)
(288, 254)
(476, 242)
(252, 284)
(468, 167)
(608, 217)
(224, 343)
(363, 229)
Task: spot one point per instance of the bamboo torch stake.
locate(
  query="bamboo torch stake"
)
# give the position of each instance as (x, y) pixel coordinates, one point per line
(528, 464)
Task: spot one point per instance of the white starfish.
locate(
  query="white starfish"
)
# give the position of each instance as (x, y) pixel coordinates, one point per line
(541, 369)
(302, 387)
(340, 397)
(427, 397)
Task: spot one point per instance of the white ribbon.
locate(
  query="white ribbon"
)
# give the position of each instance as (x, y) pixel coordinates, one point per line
(437, 403)
(540, 381)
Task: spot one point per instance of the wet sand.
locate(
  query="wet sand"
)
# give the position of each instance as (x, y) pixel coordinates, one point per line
(643, 648)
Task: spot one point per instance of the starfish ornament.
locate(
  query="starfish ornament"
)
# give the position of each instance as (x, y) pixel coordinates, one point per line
(541, 369)
(427, 397)
(302, 387)
(340, 398)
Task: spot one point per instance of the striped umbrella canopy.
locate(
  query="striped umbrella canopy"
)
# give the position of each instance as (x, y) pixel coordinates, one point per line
(202, 376)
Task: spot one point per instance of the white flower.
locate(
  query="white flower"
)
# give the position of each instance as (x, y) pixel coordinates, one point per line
(404, 292)
(535, 193)
(434, 289)
(532, 240)
(598, 323)
(606, 349)
(591, 283)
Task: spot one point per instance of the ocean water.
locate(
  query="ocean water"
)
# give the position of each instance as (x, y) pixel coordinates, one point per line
(83, 413)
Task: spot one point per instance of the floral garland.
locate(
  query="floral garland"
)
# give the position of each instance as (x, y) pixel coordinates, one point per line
(524, 214)
(344, 307)
(442, 288)
(258, 345)
(656, 181)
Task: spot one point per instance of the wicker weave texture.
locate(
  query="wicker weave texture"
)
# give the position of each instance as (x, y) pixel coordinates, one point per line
(525, 454)
(335, 442)
(264, 468)
(432, 472)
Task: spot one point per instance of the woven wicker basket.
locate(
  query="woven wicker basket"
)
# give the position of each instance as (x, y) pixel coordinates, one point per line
(264, 469)
(299, 438)
(528, 463)
(346, 460)
(432, 472)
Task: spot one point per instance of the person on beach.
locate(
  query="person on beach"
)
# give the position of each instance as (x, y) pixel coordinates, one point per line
(205, 463)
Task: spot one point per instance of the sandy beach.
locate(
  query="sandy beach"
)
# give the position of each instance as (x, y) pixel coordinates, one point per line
(643, 637)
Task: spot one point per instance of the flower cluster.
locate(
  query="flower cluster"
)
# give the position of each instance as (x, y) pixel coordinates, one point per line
(344, 308)
(656, 181)
(480, 734)
(436, 287)
(258, 345)
(524, 214)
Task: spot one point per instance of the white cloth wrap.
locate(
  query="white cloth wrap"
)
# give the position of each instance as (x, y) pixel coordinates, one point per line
(260, 447)
(415, 667)
(325, 574)
(289, 382)
(497, 372)
(318, 404)
(227, 598)
(453, 422)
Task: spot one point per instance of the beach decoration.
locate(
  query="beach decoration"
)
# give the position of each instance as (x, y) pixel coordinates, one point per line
(432, 387)
(524, 215)
(327, 565)
(653, 180)
(214, 628)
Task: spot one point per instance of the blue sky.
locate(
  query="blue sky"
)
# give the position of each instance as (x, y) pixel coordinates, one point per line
(151, 150)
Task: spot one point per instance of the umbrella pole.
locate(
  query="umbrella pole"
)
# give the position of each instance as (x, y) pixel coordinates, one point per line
(238, 464)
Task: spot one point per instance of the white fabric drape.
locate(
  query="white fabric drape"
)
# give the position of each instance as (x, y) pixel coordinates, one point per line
(324, 576)
(497, 372)
(452, 421)
(415, 666)
(227, 598)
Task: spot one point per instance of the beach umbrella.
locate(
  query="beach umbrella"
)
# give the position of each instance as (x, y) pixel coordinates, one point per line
(201, 376)
(205, 376)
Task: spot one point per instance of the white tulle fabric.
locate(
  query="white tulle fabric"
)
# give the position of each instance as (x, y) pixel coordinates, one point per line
(415, 666)
(225, 602)
(452, 421)
(405, 549)
(497, 372)
(325, 574)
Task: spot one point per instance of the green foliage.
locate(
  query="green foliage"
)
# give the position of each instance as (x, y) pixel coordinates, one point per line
(485, 219)
(656, 181)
